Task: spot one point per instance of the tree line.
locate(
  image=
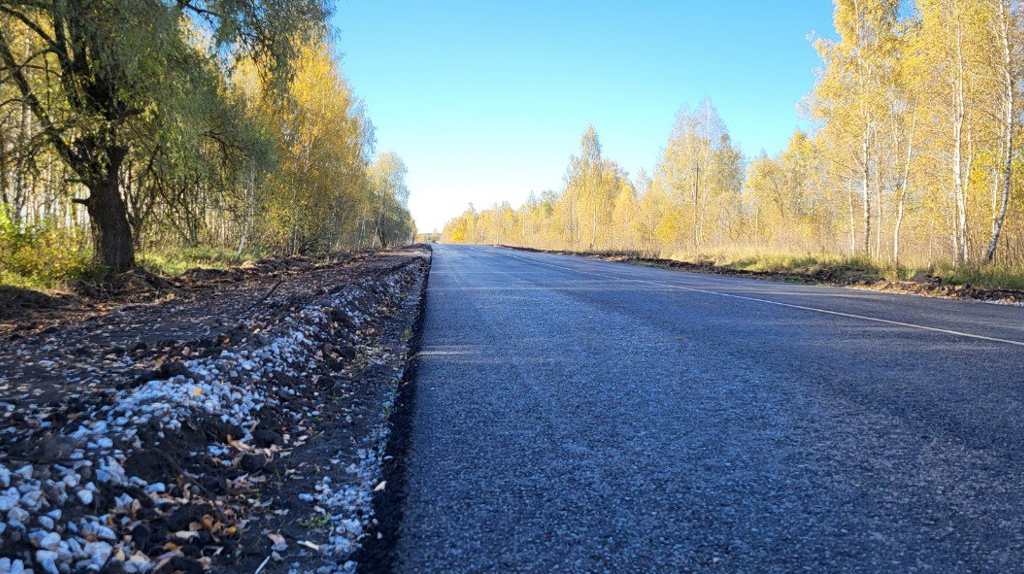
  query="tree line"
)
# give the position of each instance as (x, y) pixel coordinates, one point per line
(914, 157)
(140, 124)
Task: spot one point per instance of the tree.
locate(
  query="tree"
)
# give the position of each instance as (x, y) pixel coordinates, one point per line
(321, 193)
(583, 185)
(118, 64)
(850, 92)
(699, 163)
(1004, 63)
(391, 199)
(914, 155)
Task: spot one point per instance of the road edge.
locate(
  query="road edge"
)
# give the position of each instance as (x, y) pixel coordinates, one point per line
(377, 553)
(931, 289)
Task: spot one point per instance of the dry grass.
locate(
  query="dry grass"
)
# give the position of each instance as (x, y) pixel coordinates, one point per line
(982, 276)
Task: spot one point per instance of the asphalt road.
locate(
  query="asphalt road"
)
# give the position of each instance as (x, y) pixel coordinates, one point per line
(582, 416)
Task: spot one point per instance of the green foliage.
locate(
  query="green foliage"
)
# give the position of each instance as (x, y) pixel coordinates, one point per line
(127, 89)
(390, 200)
(175, 261)
(43, 257)
(225, 142)
(984, 276)
(317, 521)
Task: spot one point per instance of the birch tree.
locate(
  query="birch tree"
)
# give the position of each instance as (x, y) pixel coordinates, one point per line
(850, 91)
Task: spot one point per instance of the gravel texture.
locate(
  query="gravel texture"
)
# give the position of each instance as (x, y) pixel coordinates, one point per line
(584, 416)
(146, 439)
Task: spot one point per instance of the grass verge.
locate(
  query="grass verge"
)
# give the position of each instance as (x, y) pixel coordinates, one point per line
(863, 269)
(173, 262)
(972, 281)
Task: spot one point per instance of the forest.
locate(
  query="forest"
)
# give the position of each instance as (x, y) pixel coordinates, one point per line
(913, 160)
(159, 134)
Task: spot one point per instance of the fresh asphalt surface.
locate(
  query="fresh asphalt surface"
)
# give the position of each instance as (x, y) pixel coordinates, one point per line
(575, 415)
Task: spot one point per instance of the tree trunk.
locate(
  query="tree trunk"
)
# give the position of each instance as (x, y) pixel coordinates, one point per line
(959, 181)
(901, 196)
(5, 199)
(901, 199)
(250, 200)
(378, 231)
(21, 192)
(865, 189)
(853, 221)
(109, 217)
(896, 229)
(1007, 132)
(880, 219)
(362, 228)
(867, 218)
(381, 237)
(696, 194)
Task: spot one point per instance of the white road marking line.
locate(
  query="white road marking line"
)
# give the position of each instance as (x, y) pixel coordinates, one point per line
(790, 305)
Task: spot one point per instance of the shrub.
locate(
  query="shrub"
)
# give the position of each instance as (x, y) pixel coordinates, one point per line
(43, 257)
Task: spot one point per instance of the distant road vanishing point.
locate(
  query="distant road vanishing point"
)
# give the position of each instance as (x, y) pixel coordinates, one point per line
(575, 415)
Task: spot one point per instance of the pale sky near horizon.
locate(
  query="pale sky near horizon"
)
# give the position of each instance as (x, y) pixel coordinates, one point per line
(486, 101)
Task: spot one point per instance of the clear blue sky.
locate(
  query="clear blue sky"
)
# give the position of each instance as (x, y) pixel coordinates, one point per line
(486, 100)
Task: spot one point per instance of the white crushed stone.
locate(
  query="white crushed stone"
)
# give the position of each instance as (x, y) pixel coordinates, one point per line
(36, 498)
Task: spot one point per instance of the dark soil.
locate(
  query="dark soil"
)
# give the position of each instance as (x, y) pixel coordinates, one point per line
(377, 555)
(26, 309)
(350, 413)
(68, 355)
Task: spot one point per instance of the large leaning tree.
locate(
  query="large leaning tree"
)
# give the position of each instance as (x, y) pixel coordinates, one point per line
(90, 70)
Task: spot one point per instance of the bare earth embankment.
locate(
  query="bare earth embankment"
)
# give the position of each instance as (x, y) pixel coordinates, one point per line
(835, 275)
(228, 421)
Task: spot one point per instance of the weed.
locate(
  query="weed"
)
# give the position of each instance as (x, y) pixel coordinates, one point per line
(317, 521)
